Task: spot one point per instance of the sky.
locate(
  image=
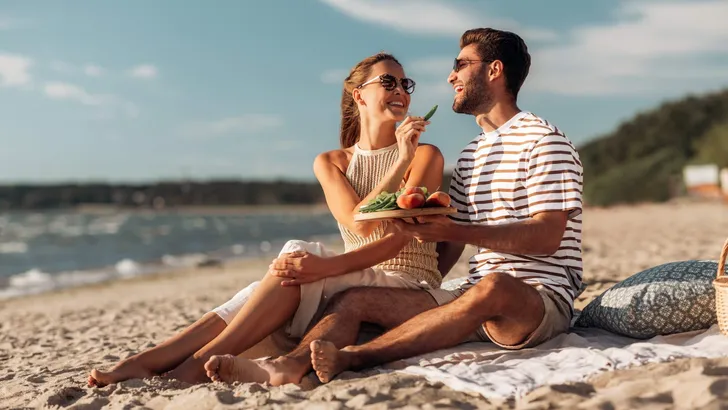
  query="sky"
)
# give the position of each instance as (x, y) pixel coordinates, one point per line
(133, 91)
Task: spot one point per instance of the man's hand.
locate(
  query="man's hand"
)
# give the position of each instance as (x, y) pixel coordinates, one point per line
(430, 228)
(301, 267)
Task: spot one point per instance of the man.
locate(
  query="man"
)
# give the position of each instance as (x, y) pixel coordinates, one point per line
(517, 189)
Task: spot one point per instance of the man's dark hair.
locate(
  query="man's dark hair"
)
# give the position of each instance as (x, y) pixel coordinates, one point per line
(505, 46)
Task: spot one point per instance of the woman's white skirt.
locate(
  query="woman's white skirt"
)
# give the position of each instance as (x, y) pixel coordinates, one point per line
(316, 295)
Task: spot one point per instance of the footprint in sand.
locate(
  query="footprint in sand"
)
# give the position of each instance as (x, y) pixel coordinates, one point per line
(65, 396)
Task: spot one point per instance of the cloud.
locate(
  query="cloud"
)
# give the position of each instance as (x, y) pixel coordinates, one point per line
(93, 70)
(89, 69)
(649, 47)
(145, 71)
(14, 70)
(430, 17)
(644, 49)
(109, 103)
(62, 67)
(334, 76)
(66, 91)
(9, 23)
(247, 124)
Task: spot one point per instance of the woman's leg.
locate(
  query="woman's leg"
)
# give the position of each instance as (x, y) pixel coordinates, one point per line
(164, 357)
(176, 349)
(268, 308)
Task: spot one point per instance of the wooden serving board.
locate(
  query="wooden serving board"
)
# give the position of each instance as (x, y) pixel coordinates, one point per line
(404, 213)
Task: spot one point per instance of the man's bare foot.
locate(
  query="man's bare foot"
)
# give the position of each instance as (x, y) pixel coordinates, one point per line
(327, 360)
(277, 372)
(119, 373)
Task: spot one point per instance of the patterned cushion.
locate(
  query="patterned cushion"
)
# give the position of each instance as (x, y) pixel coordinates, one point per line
(670, 298)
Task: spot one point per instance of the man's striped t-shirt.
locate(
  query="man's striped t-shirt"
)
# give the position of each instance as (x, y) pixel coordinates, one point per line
(525, 167)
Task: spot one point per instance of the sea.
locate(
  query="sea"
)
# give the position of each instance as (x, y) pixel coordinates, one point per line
(43, 251)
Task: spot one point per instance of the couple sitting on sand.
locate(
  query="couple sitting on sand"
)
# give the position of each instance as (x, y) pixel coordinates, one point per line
(517, 189)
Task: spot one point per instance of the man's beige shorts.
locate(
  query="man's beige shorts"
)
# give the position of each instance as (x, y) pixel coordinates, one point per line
(556, 319)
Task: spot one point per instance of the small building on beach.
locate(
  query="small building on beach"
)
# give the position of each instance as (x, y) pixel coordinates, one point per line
(702, 181)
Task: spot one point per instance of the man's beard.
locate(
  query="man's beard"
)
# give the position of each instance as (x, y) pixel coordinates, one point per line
(474, 98)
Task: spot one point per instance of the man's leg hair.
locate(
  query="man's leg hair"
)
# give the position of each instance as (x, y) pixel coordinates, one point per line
(340, 325)
(509, 308)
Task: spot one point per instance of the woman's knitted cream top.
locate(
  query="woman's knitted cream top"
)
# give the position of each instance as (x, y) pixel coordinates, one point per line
(418, 260)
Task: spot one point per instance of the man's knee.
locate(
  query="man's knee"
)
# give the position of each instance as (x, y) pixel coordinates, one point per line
(492, 293)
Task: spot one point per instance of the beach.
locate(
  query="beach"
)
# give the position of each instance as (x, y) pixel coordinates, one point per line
(49, 342)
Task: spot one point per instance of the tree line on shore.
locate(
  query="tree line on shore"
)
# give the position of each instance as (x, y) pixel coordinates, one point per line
(165, 194)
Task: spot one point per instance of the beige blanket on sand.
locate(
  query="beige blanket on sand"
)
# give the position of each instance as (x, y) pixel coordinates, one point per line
(494, 373)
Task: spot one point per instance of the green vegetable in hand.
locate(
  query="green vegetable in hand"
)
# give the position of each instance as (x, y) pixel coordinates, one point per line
(376, 203)
(431, 113)
(386, 201)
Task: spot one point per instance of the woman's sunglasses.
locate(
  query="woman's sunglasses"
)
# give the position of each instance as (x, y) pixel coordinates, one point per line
(389, 82)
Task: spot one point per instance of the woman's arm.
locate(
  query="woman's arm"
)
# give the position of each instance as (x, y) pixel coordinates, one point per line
(383, 249)
(302, 267)
(427, 170)
(343, 201)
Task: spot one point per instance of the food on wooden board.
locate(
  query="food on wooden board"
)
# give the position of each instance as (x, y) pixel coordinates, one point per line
(406, 198)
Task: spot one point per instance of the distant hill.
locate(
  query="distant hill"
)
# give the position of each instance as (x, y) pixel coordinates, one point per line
(642, 160)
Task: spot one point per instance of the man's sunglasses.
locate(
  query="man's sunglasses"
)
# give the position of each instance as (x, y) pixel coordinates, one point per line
(389, 82)
(458, 64)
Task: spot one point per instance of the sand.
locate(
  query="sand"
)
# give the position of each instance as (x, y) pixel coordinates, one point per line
(48, 343)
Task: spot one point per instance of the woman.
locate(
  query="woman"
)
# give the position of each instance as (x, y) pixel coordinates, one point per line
(376, 156)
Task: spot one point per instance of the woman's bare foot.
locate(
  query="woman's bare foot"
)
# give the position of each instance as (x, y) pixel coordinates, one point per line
(190, 371)
(327, 360)
(119, 373)
(277, 372)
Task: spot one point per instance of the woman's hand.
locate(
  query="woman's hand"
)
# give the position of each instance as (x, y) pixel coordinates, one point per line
(408, 136)
(301, 267)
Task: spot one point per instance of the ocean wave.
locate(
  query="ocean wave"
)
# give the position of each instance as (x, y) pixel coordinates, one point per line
(50, 250)
(186, 261)
(36, 281)
(13, 247)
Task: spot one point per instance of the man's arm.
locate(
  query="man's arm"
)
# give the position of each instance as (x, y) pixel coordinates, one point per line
(539, 235)
(553, 185)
